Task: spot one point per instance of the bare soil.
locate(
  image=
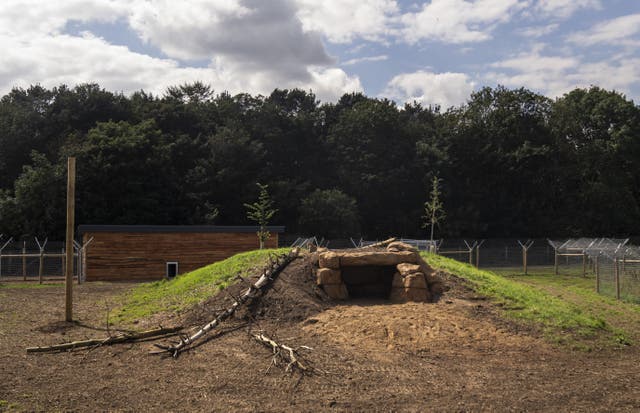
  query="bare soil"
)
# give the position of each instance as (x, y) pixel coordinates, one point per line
(457, 354)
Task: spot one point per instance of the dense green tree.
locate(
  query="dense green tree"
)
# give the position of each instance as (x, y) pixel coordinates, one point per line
(329, 213)
(513, 162)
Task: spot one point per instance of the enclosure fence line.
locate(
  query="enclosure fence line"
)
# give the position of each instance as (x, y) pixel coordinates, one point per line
(17, 260)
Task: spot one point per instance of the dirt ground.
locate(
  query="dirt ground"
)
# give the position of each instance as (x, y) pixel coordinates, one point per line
(453, 355)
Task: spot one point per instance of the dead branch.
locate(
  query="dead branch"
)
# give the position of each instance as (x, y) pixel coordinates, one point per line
(284, 352)
(119, 338)
(380, 244)
(268, 275)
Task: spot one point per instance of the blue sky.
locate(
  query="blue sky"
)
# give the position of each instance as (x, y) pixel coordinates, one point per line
(435, 52)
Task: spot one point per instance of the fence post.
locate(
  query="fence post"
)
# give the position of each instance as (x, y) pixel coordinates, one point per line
(41, 265)
(24, 260)
(616, 272)
(597, 268)
(555, 264)
(584, 264)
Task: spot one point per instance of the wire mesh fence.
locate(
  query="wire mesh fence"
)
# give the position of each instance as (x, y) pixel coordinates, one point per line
(29, 260)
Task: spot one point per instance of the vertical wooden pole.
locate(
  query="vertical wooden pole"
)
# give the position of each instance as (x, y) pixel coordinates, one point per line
(68, 271)
(471, 256)
(478, 256)
(524, 260)
(597, 268)
(584, 265)
(24, 260)
(616, 274)
(555, 264)
(41, 265)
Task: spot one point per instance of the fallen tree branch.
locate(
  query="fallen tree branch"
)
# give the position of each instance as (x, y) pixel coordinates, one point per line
(119, 338)
(268, 275)
(380, 244)
(284, 352)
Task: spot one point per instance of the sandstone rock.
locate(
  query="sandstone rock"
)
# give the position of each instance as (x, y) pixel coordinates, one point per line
(398, 295)
(361, 258)
(328, 276)
(415, 280)
(336, 291)
(398, 281)
(402, 295)
(405, 268)
(417, 294)
(329, 259)
(401, 246)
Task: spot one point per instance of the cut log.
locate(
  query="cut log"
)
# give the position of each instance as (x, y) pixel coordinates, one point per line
(120, 338)
(268, 275)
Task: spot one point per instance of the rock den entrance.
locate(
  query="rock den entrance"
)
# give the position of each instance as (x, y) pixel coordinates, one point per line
(397, 273)
(368, 281)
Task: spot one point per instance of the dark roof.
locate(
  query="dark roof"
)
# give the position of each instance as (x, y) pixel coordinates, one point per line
(175, 228)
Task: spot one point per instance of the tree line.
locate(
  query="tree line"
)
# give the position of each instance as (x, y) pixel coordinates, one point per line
(510, 162)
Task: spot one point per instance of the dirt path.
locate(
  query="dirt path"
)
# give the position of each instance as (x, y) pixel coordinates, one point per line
(454, 355)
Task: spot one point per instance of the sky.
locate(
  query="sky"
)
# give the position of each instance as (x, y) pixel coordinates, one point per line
(436, 52)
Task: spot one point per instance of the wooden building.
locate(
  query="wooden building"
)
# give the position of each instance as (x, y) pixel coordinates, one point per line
(153, 252)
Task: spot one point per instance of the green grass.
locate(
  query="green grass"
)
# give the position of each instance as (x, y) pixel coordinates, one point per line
(6, 406)
(623, 317)
(190, 288)
(561, 321)
(23, 285)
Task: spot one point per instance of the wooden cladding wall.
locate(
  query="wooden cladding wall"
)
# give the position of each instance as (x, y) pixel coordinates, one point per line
(124, 256)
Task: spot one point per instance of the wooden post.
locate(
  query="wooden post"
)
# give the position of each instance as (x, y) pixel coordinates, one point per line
(555, 264)
(616, 274)
(471, 256)
(478, 256)
(40, 266)
(68, 271)
(24, 260)
(597, 268)
(584, 265)
(524, 260)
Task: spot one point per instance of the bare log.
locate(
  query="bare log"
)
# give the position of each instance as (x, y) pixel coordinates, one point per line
(119, 338)
(282, 351)
(268, 275)
(380, 244)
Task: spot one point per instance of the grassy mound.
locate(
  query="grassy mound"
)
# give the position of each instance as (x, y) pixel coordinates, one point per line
(190, 288)
(560, 320)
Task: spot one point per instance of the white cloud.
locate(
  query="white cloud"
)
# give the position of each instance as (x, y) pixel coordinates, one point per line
(341, 21)
(538, 31)
(257, 35)
(622, 30)
(62, 59)
(358, 60)
(457, 21)
(565, 8)
(556, 75)
(253, 47)
(444, 89)
(24, 18)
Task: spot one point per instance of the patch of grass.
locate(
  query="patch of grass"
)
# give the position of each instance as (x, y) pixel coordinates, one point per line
(190, 288)
(561, 321)
(6, 406)
(621, 316)
(24, 285)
